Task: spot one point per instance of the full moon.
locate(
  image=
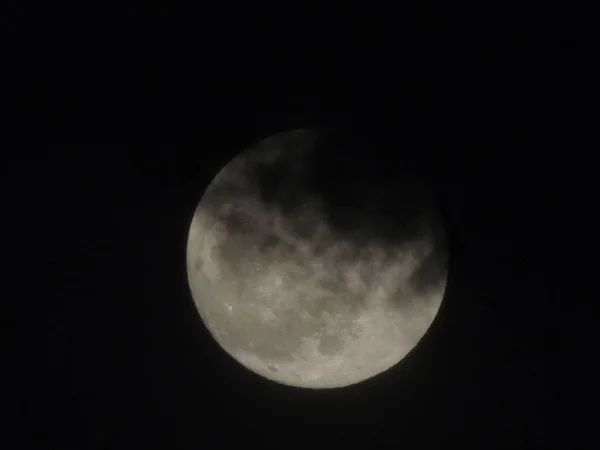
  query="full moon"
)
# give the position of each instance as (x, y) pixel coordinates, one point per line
(312, 274)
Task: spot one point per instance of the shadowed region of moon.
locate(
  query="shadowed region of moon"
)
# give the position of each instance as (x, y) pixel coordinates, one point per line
(313, 271)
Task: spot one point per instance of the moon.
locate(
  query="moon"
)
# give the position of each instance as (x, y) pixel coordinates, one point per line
(311, 274)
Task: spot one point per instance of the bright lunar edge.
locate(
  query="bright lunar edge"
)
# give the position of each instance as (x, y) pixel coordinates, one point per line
(308, 281)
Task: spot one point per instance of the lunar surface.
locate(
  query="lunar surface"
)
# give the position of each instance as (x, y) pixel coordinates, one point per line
(305, 290)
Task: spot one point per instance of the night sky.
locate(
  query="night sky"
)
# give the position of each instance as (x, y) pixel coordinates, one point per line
(112, 351)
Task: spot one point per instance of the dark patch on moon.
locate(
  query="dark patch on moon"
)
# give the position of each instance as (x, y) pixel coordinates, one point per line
(330, 344)
(268, 242)
(320, 248)
(331, 281)
(302, 225)
(362, 200)
(431, 272)
(237, 222)
(271, 182)
(220, 190)
(272, 368)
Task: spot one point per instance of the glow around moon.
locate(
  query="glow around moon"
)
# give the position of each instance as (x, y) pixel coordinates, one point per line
(288, 295)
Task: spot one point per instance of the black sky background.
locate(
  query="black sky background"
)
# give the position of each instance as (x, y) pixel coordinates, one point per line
(121, 129)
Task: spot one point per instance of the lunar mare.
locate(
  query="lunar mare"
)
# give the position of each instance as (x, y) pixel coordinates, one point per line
(301, 304)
